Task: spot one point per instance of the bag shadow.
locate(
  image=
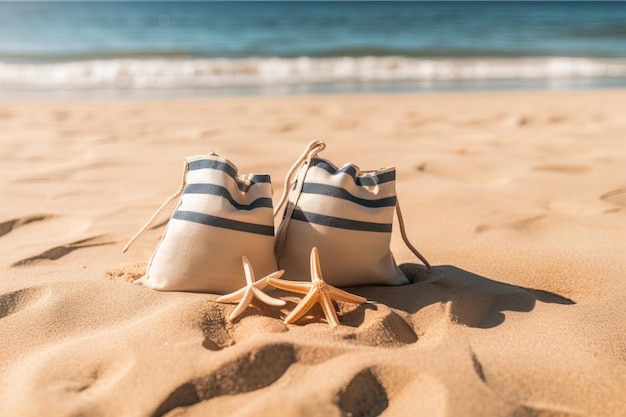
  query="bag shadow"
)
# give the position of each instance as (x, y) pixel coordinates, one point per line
(474, 300)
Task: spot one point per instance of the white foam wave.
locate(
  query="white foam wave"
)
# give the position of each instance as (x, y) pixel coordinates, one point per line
(218, 72)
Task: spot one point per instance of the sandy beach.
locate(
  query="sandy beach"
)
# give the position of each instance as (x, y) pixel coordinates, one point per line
(518, 199)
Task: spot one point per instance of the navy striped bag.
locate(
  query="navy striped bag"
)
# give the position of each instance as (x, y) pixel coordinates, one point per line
(347, 214)
(221, 216)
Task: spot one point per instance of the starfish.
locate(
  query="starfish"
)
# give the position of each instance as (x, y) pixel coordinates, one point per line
(251, 290)
(317, 291)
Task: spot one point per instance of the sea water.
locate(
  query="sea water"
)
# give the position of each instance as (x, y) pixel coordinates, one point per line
(233, 47)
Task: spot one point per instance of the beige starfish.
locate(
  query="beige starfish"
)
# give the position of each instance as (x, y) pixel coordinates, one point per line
(317, 291)
(251, 290)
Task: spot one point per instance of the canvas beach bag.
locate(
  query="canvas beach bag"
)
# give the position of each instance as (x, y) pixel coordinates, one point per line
(347, 214)
(221, 216)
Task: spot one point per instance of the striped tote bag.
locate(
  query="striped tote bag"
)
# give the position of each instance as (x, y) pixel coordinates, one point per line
(347, 214)
(221, 216)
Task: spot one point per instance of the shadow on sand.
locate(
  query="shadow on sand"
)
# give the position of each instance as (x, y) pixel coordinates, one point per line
(474, 300)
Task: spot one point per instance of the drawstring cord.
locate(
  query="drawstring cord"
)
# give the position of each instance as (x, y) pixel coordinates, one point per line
(405, 237)
(312, 149)
(156, 214)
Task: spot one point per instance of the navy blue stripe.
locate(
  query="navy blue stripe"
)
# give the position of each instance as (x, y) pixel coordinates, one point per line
(228, 169)
(363, 180)
(340, 223)
(223, 192)
(213, 164)
(192, 216)
(337, 192)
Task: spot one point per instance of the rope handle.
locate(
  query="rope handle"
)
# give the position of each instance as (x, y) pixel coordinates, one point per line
(406, 239)
(183, 184)
(312, 149)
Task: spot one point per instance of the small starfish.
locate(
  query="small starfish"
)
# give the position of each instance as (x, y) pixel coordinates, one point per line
(317, 291)
(251, 290)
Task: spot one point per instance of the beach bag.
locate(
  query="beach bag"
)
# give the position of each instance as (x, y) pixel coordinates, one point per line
(347, 214)
(221, 216)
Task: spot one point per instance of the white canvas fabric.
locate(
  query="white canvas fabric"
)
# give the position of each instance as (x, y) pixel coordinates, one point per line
(221, 216)
(347, 214)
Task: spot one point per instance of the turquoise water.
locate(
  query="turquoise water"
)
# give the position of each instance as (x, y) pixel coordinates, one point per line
(210, 48)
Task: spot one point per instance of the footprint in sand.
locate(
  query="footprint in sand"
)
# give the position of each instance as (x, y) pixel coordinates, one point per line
(286, 127)
(522, 225)
(9, 225)
(58, 252)
(252, 370)
(376, 326)
(75, 374)
(33, 230)
(364, 395)
(217, 331)
(15, 301)
(616, 197)
(563, 169)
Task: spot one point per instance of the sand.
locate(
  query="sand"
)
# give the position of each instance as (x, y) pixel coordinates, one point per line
(518, 199)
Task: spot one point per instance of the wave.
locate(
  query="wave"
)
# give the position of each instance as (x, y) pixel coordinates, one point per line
(225, 72)
(318, 52)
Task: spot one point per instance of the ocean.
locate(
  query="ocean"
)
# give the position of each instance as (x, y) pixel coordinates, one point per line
(232, 47)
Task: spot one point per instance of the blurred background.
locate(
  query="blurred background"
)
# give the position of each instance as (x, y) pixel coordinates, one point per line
(126, 49)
